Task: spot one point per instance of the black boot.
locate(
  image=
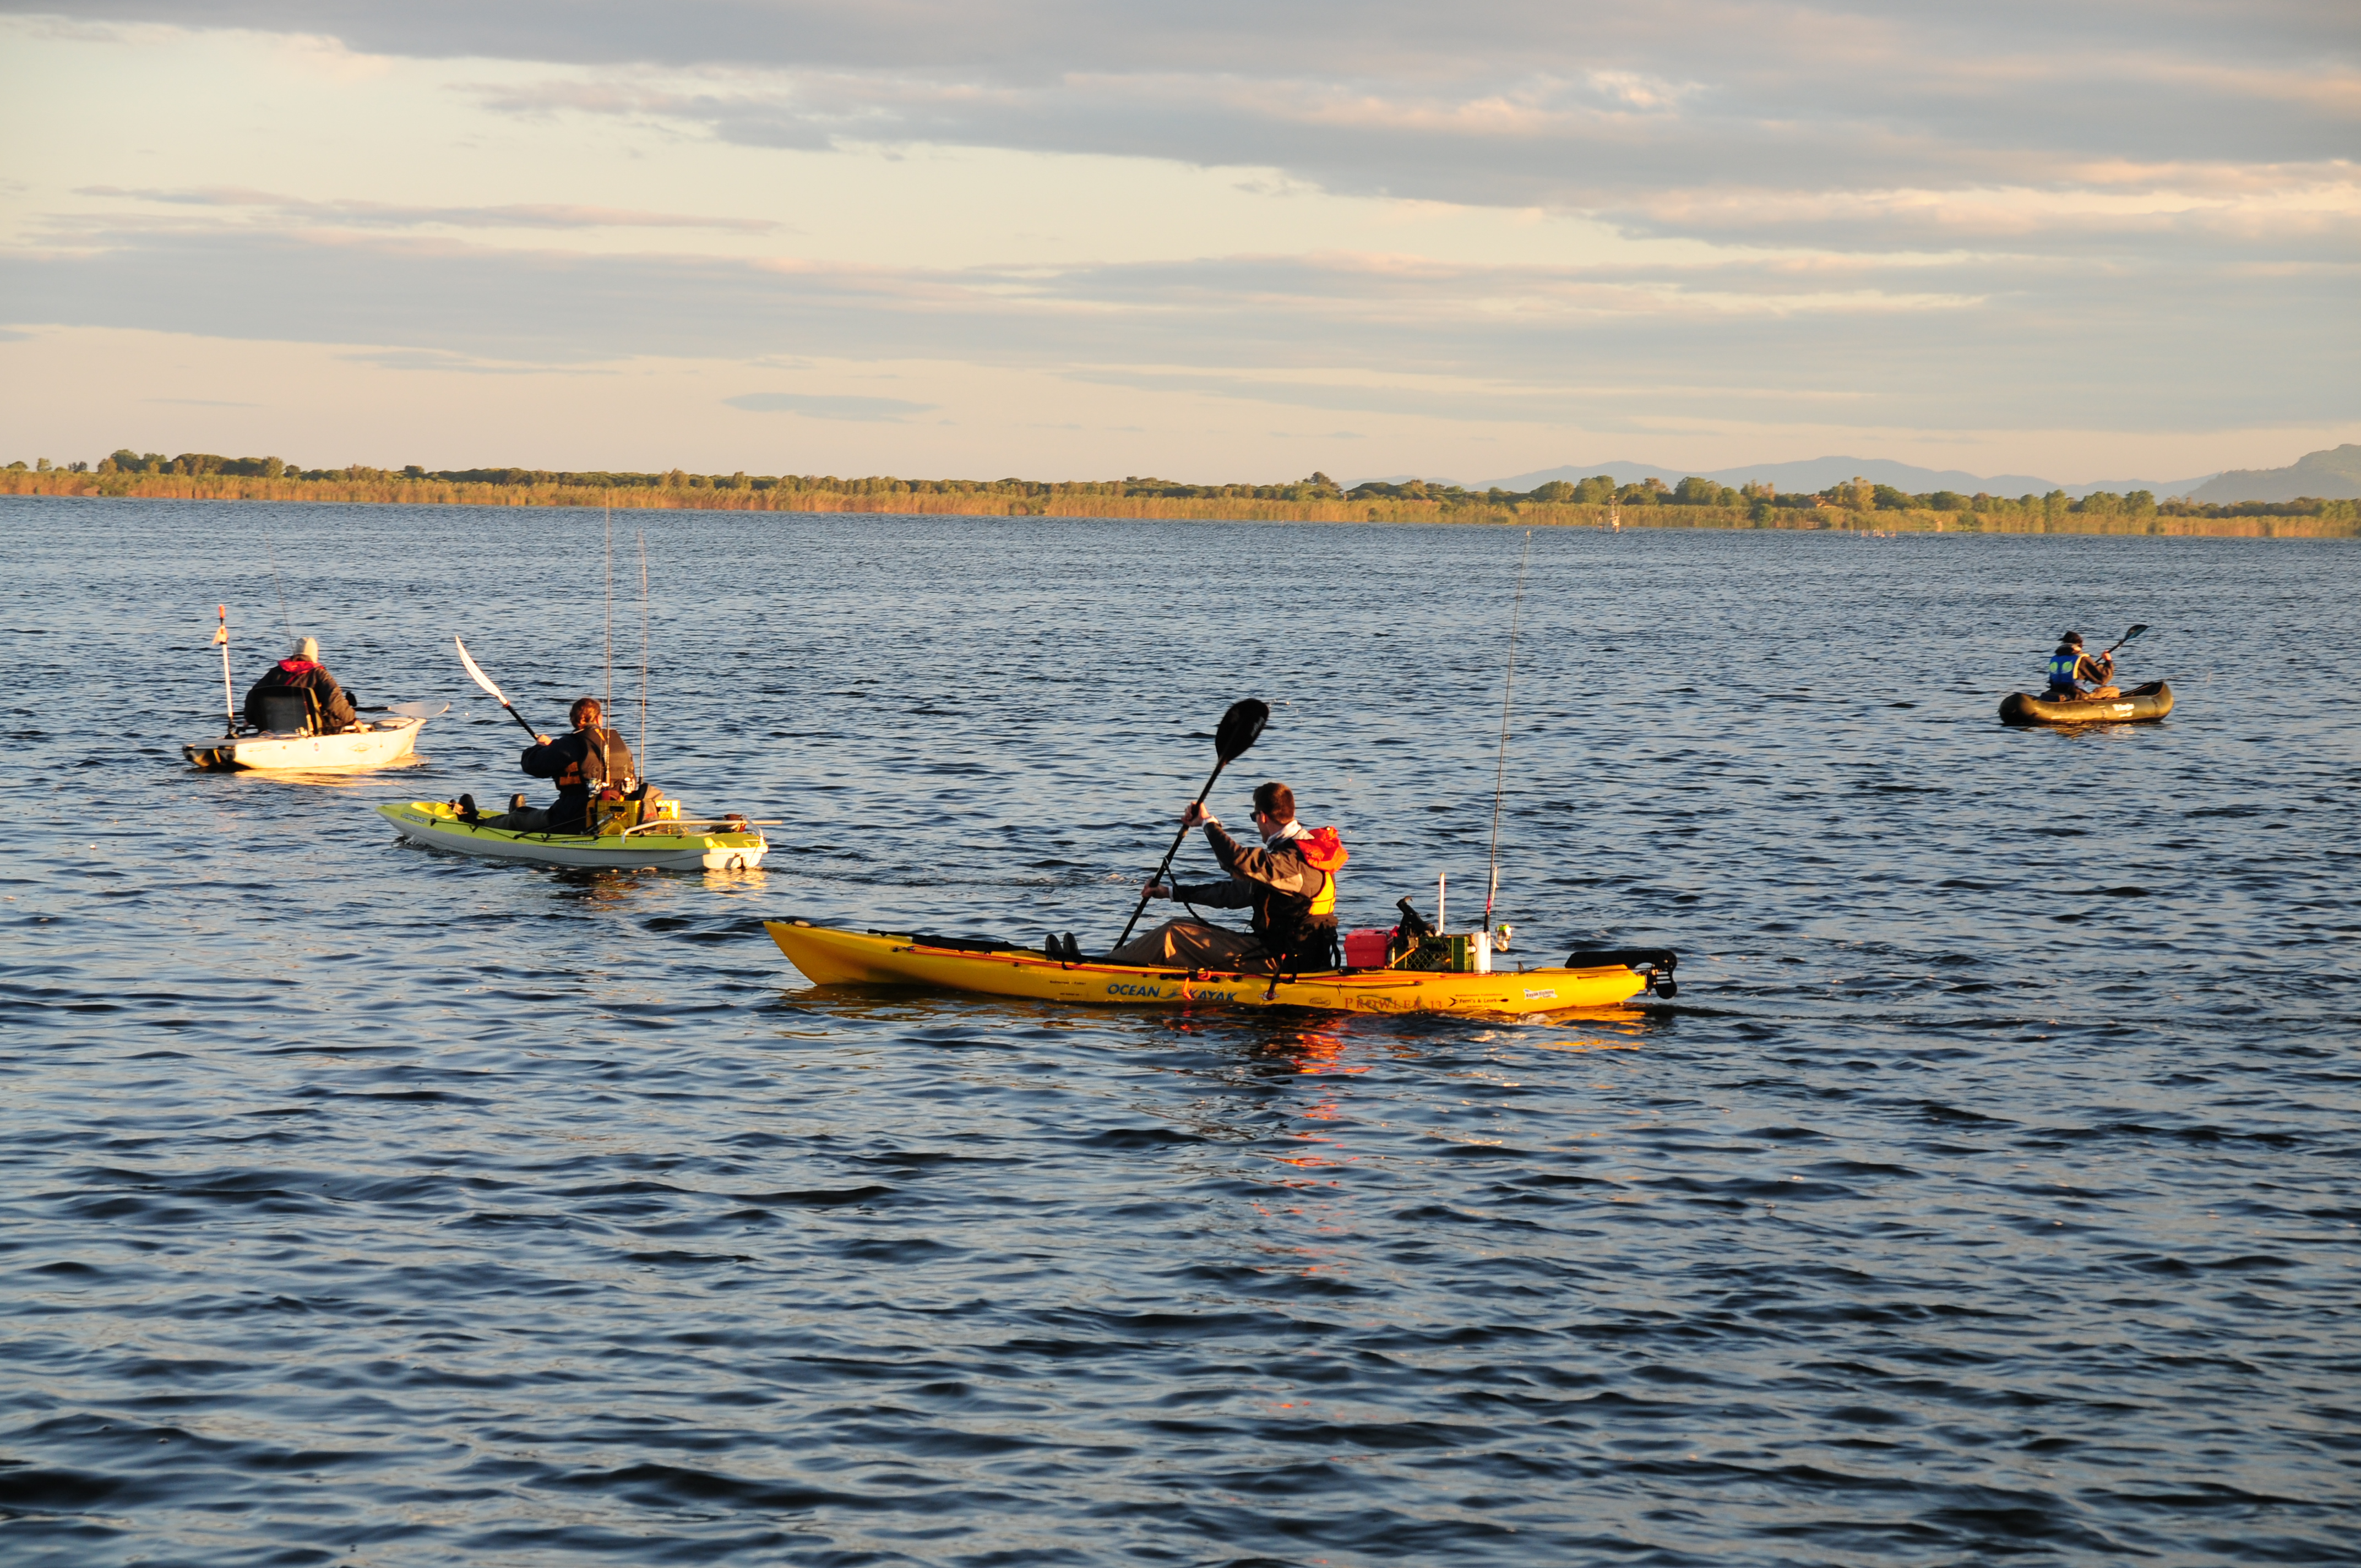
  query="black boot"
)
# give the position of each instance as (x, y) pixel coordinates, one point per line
(468, 812)
(1072, 949)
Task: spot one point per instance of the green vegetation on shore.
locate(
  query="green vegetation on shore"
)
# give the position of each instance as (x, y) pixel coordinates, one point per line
(1692, 502)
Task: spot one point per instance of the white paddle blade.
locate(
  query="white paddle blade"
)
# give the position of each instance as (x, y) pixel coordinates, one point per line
(482, 679)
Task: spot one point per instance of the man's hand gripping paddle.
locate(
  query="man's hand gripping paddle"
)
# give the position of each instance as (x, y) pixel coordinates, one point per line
(1239, 728)
(2107, 659)
(485, 681)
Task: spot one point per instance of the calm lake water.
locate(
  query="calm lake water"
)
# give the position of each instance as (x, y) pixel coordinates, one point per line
(1988, 1192)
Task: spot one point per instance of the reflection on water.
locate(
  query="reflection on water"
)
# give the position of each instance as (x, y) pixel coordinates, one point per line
(1986, 1195)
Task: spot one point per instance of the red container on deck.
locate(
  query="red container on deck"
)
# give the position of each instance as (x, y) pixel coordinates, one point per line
(1366, 950)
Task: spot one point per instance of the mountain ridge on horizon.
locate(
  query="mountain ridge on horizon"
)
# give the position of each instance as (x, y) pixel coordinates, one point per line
(2329, 474)
(1818, 473)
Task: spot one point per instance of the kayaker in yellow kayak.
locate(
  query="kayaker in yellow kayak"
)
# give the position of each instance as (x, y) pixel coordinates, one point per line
(591, 759)
(1290, 884)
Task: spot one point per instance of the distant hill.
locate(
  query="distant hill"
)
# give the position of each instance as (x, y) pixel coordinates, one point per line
(1818, 473)
(2331, 475)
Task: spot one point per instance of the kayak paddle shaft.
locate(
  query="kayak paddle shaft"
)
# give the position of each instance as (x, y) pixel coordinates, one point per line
(1177, 839)
(1239, 728)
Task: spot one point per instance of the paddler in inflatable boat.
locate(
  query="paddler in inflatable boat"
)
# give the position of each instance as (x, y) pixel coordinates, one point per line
(300, 671)
(593, 758)
(1290, 884)
(2069, 667)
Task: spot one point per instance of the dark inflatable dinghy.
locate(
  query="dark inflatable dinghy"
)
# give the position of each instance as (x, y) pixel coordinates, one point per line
(2136, 706)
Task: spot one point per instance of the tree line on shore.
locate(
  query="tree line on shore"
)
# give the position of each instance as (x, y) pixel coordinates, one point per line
(1699, 498)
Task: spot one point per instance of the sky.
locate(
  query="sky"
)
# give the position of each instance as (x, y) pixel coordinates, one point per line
(2078, 238)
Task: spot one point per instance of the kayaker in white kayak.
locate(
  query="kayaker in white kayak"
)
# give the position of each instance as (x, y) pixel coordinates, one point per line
(1290, 884)
(591, 759)
(2069, 667)
(300, 671)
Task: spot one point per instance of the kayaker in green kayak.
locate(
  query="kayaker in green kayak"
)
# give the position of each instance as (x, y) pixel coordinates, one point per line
(1290, 884)
(591, 759)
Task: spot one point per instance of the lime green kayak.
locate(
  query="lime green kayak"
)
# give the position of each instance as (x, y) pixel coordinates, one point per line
(728, 844)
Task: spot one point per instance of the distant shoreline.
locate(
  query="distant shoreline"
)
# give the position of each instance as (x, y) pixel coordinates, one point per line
(2136, 515)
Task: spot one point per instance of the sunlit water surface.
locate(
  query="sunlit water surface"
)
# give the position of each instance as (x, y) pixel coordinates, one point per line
(1988, 1192)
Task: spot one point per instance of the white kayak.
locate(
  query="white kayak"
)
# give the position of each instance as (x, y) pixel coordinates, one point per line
(365, 745)
(670, 844)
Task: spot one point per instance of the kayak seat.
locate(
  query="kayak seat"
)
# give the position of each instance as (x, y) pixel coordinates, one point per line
(291, 711)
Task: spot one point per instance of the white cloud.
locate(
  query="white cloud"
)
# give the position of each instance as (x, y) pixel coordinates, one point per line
(823, 405)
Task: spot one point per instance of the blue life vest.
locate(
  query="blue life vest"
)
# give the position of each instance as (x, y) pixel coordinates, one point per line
(2062, 666)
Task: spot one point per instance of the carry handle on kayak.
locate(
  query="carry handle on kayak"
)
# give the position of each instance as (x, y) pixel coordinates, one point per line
(1239, 728)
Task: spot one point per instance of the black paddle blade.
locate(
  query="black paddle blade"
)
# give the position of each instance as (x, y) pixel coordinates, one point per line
(1240, 728)
(2135, 632)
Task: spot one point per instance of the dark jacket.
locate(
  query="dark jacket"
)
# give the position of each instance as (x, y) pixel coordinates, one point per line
(1278, 885)
(335, 703)
(580, 762)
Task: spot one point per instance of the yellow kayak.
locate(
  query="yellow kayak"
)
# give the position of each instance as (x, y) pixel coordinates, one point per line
(832, 957)
(664, 844)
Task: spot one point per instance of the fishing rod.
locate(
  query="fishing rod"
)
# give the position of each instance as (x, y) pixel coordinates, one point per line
(1501, 767)
(285, 620)
(611, 603)
(643, 652)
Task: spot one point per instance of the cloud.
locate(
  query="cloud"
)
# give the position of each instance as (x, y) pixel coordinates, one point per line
(388, 215)
(1567, 103)
(1964, 342)
(434, 359)
(823, 406)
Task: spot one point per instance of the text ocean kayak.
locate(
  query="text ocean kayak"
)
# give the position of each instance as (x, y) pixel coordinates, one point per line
(2137, 706)
(664, 845)
(832, 957)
